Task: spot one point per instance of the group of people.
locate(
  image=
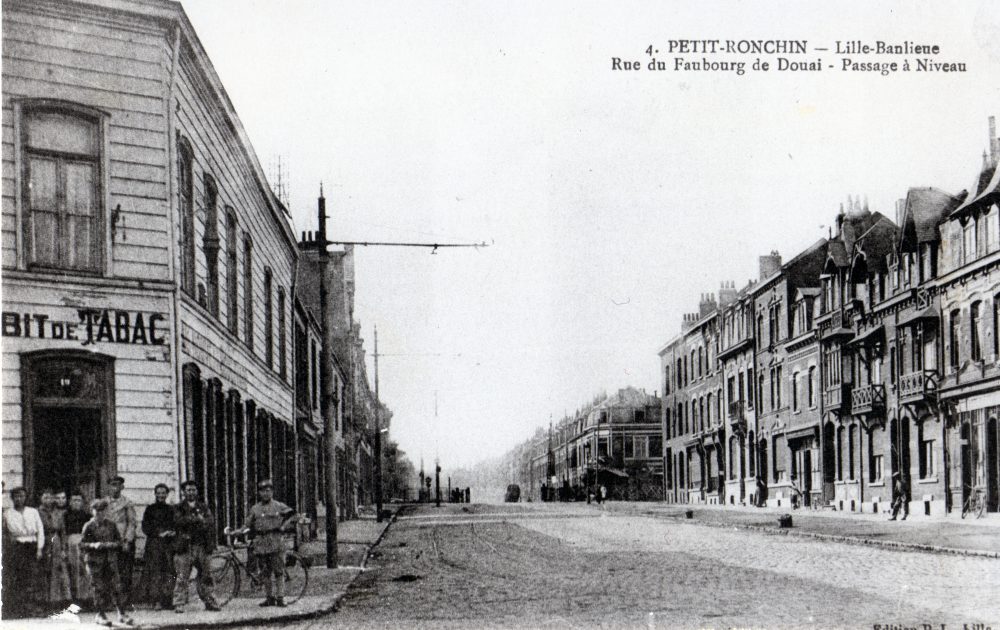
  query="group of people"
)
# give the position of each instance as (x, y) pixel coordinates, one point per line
(60, 554)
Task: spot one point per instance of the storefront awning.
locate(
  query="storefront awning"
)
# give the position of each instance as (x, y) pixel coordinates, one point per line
(873, 335)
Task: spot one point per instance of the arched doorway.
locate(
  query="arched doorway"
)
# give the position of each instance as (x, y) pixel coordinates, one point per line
(68, 422)
(829, 461)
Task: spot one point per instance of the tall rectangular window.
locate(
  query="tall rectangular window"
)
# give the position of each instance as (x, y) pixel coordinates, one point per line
(210, 243)
(812, 386)
(268, 318)
(852, 439)
(62, 193)
(795, 391)
(186, 201)
(315, 374)
(953, 339)
(248, 304)
(282, 349)
(974, 345)
(232, 279)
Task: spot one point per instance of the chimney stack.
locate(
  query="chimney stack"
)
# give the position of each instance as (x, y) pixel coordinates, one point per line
(770, 264)
(727, 293)
(900, 211)
(706, 305)
(321, 233)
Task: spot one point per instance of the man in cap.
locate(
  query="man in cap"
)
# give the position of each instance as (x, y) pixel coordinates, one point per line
(194, 542)
(121, 512)
(266, 522)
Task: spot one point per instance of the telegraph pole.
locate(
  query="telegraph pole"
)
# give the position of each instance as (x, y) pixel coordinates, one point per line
(378, 440)
(327, 393)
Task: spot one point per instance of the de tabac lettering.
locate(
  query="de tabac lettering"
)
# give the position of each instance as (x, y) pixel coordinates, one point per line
(95, 326)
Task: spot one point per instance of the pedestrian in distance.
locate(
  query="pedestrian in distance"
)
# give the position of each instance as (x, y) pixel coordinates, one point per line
(79, 580)
(899, 497)
(157, 583)
(56, 565)
(121, 511)
(266, 522)
(102, 544)
(194, 542)
(24, 549)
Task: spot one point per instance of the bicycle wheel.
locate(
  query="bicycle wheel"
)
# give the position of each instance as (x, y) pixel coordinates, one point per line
(296, 577)
(225, 578)
(980, 506)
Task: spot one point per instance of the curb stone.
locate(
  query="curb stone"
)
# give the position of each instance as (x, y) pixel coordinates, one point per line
(850, 540)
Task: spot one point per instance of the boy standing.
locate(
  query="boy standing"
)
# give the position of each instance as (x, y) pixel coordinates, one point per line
(267, 520)
(102, 542)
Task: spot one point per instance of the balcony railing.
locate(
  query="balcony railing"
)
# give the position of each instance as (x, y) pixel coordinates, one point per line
(867, 399)
(837, 397)
(916, 384)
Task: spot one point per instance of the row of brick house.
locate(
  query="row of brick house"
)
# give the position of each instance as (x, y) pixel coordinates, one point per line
(160, 319)
(873, 352)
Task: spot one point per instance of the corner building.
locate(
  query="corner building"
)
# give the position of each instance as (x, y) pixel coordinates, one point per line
(148, 268)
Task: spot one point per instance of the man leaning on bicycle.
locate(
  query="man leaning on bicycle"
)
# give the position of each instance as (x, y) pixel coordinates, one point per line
(265, 523)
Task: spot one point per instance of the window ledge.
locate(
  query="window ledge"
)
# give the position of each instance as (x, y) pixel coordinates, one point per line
(877, 484)
(928, 480)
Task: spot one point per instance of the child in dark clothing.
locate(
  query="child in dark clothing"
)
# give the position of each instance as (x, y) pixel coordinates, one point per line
(101, 541)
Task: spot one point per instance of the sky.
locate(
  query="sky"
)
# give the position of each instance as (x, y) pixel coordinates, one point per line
(610, 200)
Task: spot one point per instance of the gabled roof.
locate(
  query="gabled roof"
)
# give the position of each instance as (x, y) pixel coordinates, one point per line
(925, 209)
(877, 242)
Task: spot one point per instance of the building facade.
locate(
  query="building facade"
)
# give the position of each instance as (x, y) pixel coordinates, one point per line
(871, 356)
(150, 317)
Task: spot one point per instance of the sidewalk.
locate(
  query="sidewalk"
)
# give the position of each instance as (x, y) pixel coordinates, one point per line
(943, 534)
(326, 587)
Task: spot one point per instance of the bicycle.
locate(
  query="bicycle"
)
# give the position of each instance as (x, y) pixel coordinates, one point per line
(227, 565)
(975, 504)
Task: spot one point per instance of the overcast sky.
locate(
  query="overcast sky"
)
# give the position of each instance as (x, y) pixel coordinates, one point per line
(612, 200)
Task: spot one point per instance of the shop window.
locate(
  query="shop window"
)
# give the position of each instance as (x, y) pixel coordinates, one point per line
(655, 446)
(62, 195)
(248, 304)
(185, 175)
(210, 243)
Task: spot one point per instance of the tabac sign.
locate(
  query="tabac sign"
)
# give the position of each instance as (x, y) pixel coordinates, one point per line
(94, 326)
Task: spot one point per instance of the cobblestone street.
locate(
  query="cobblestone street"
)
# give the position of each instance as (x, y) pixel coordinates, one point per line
(578, 566)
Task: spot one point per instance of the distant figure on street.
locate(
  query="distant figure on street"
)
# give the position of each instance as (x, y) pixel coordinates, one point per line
(468, 495)
(899, 497)
(761, 492)
(102, 543)
(193, 544)
(24, 548)
(121, 512)
(157, 583)
(266, 522)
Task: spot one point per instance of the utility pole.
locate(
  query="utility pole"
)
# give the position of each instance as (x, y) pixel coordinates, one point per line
(378, 440)
(328, 393)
